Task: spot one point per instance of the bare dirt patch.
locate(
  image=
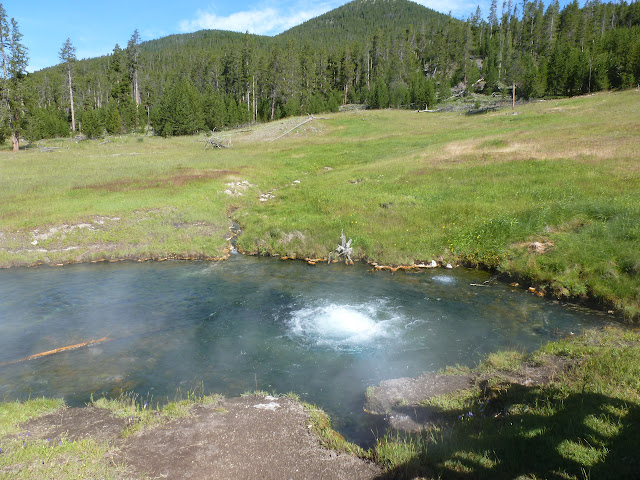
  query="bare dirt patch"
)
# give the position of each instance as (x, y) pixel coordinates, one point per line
(537, 247)
(250, 437)
(240, 438)
(176, 180)
(76, 424)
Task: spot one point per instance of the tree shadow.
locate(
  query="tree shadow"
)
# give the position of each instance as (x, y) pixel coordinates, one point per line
(531, 431)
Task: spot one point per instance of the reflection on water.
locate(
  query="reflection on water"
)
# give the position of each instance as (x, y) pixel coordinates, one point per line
(324, 332)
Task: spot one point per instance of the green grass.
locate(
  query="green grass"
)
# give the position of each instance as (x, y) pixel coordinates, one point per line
(22, 456)
(39, 459)
(321, 426)
(141, 413)
(405, 187)
(12, 414)
(582, 425)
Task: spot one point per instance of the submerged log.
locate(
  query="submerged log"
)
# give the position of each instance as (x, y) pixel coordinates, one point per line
(56, 350)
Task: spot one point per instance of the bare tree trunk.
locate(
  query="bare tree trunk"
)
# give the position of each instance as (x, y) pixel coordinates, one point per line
(136, 88)
(513, 100)
(255, 104)
(15, 141)
(73, 113)
(273, 104)
(368, 70)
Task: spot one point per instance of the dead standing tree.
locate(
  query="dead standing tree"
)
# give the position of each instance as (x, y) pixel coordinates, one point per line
(344, 250)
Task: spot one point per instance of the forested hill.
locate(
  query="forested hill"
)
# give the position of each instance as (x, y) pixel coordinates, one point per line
(379, 53)
(213, 39)
(360, 19)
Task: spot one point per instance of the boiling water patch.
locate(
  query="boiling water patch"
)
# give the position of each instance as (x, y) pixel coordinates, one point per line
(345, 326)
(444, 279)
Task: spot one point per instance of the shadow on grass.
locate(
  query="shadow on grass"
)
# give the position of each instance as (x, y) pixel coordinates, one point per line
(532, 432)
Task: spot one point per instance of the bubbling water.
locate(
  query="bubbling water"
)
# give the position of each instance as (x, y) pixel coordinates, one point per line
(344, 326)
(444, 279)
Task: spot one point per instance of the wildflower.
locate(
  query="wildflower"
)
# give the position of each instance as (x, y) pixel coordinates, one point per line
(470, 413)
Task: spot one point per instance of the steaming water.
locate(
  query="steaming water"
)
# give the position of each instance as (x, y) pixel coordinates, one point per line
(346, 327)
(324, 332)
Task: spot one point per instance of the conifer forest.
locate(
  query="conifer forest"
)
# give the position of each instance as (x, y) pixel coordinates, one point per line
(378, 53)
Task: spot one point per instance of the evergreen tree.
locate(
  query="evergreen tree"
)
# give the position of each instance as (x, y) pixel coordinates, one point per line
(179, 111)
(118, 75)
(113, 121)
(14, 89)
(5, 37)
(91, 124)
(47, 123)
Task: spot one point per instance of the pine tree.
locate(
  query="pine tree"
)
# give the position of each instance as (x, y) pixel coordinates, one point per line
(347, 73)
(179, 111)
(118, 75)
(14, 86)
(4, 83)
(113, 121)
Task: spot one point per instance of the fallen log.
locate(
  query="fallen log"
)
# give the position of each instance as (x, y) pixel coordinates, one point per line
(211, 143)
(56, 350)
(310, 119)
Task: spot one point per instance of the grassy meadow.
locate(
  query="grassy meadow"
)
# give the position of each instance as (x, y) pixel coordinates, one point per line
(550, 195)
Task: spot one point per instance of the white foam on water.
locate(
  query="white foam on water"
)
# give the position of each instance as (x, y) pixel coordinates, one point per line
(444, 279)
(344, 326)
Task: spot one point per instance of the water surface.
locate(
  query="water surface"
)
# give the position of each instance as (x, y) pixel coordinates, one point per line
(325, 332)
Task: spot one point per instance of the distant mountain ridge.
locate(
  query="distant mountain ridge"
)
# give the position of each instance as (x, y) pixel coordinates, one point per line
(348, 23)
(362, 18)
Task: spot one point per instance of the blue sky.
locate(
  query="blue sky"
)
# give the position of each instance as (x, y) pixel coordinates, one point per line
(95, 27)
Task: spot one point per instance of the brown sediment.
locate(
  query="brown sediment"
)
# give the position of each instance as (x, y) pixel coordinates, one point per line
(132, 258)
(176, 180)
(395, 268)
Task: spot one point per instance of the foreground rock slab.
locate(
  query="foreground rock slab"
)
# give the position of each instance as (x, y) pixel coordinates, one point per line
(399, 400)
(241, 438)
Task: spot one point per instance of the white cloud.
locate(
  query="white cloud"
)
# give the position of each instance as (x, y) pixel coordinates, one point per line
(261, 21)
